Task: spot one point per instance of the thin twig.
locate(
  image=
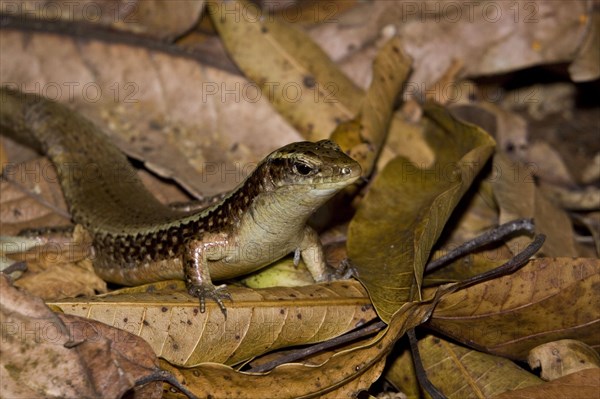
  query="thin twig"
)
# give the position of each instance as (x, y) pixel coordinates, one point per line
(419, 369)
(493, 235)
(511, 266)
(163, 375)
(15, 267)
(304, 352)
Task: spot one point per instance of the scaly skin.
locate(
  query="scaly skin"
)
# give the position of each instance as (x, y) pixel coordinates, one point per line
(137, 239)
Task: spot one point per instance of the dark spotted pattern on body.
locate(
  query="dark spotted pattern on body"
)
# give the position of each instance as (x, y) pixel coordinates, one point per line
(169, 242)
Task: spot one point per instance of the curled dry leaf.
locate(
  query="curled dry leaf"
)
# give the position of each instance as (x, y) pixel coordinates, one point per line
(583, 384)
(509, 316)
(563, 357)
(39, 358)
(363, 137)
(257, 321)
(592, 222)
(404, 212)
(459, 372)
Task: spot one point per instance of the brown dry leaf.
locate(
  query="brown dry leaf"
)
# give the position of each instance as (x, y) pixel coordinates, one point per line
(63, 280)
(474, 215)
(508, 127)
(550, 166)
(461, 373)
(509, 316)
(586, 67)
(3, 155)
(582, 385)
(104, 363)
(338, 376)
(303, 84)
(591, 172)
(587, 199)
(152, 18)
(31, 197)
(401, 374)
(171, 112)
(518, 197)
(592, 222)
(57, 267)
(488, 38)
(406, 208)
(563, 357)
(116, 358)
(258, 321)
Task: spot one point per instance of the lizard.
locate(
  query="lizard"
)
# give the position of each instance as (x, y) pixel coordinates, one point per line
(136, 239)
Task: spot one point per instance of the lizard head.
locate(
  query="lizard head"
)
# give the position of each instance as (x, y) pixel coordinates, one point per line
(321, 168)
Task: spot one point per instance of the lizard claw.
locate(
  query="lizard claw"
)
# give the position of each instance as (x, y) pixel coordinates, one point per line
(217, 294)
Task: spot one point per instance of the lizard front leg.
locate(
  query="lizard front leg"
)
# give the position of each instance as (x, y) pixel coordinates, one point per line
(312, 254)
(197, 275)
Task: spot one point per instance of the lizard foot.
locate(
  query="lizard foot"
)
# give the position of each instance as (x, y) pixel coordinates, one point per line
(217, 294)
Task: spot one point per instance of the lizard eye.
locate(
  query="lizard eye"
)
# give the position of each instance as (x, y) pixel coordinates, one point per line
(303, 169)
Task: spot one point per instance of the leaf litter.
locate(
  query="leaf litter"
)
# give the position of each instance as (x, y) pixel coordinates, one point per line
(189, 116)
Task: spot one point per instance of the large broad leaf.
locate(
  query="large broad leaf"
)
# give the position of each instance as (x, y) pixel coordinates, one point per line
(547, 300)
(404, 212)
(344, 374)
(257, 321)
